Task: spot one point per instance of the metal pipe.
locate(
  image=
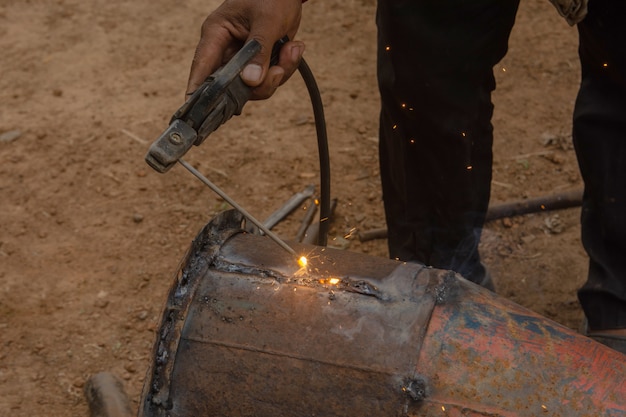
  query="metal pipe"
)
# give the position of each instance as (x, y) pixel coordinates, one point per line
(245, 332)
(307, 220)
(289, 206)
(566, 199)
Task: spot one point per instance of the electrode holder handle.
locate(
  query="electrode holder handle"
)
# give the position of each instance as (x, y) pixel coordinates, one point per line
(220, 97)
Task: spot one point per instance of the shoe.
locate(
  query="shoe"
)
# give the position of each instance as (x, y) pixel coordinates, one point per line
(615, 339)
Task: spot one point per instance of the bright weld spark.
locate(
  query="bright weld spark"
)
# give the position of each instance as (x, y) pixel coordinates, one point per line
(303, 262)
(387, 48)
(463, 134)
(605, 65)
(503, 69)
(469, 167)
(334, 281)
(412, 141)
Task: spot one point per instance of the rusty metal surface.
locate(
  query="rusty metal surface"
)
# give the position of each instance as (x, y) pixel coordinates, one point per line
(253, 334)
(490, 354)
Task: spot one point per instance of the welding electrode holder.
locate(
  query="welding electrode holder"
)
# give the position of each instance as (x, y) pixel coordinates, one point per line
(220, 97)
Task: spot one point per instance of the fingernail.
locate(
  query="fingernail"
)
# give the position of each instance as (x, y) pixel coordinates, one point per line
(296, 53)
(252, 73)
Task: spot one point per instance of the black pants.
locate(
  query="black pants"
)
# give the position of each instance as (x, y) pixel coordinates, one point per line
(435, 72)
(600, 143)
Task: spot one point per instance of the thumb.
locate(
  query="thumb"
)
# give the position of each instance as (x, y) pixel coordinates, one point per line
(255, 72)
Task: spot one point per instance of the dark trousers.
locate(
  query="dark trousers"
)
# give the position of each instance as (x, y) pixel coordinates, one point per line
(435, 74)
(600, 142)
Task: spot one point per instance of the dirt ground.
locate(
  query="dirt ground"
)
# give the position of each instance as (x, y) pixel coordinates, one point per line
(90, 236)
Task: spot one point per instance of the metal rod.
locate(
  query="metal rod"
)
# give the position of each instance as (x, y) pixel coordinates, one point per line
(562, 200)
(291, 204)
(308, 219)
(243, 211)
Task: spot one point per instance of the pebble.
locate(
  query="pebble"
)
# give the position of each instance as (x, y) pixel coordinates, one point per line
(101, 301)
(78, 382)
(10, 136)
(137, 218)
(554, 225)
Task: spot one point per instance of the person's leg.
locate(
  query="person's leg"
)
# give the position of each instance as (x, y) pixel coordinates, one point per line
(600, 142)
(435, 74)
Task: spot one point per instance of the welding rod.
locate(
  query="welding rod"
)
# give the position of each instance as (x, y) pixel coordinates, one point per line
(230, 201)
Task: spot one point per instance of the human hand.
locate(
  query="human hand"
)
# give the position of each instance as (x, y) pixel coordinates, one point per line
(236, 21)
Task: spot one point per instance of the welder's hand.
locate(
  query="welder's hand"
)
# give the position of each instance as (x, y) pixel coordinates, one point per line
(572, 10)
(236, 21)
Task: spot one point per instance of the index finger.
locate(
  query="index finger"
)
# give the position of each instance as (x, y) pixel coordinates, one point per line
(208, 57)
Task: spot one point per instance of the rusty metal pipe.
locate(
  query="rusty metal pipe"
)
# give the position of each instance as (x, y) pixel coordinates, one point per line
(246, 332)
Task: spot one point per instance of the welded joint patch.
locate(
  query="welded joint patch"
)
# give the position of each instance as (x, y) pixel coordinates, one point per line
(416, 388)
(444, 287)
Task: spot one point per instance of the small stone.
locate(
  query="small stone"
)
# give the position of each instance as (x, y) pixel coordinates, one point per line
(137, 218)
(10, 136)
(339, 243)
(130, 367)
(101, 300)
(142, 315)
(507, 222)
(57, 92)
(78, 382)
(554, 225)
(555, 158)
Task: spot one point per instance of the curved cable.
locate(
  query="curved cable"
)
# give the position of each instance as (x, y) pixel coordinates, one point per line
(322, 145)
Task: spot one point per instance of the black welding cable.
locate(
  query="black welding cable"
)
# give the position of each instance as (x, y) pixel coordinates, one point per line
(322, 145)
